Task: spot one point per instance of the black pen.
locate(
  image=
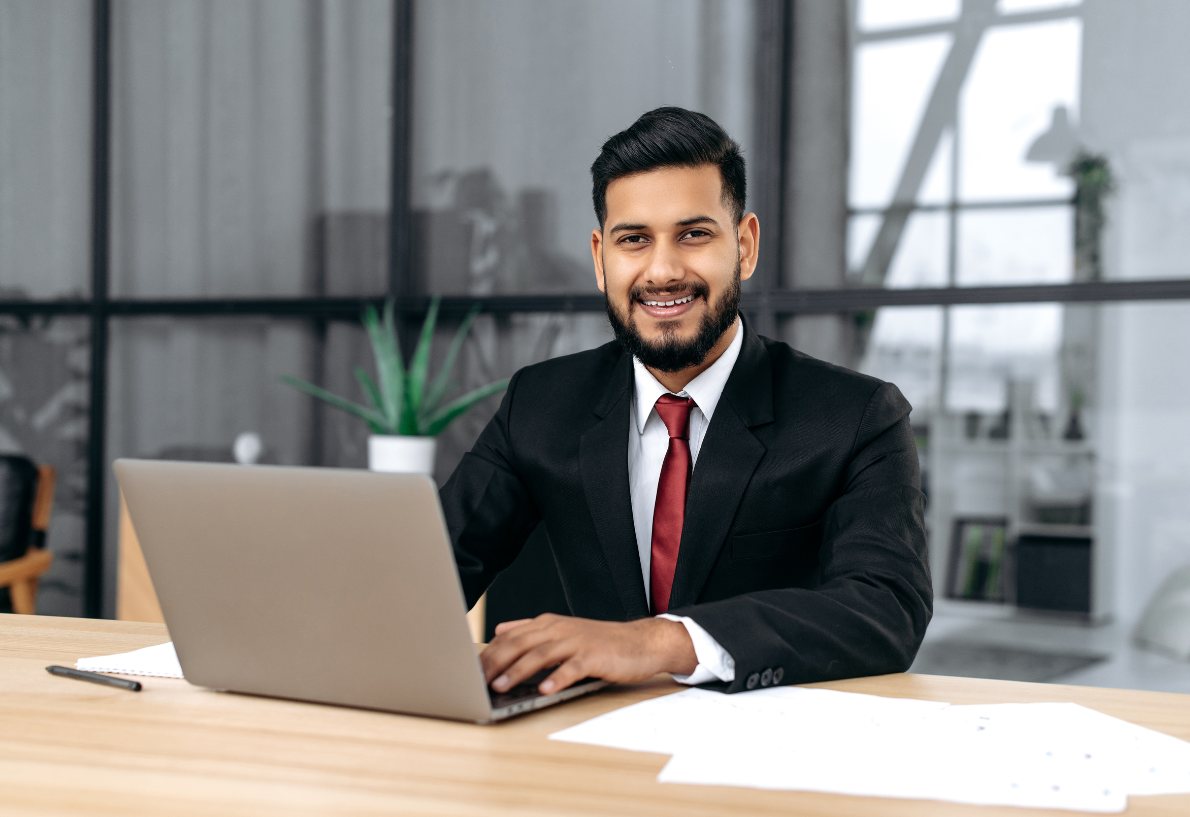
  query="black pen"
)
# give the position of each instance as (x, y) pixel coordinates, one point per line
(94, 677)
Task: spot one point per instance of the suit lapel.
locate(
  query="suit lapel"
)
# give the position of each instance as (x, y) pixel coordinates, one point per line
(729, 455)
(603, 463)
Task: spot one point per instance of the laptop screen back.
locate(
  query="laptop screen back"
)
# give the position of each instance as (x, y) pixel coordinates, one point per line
(317, 584)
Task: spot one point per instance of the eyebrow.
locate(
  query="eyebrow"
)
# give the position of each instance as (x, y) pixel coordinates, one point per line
(686, 222)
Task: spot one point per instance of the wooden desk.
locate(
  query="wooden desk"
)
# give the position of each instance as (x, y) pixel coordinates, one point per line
(68, 747)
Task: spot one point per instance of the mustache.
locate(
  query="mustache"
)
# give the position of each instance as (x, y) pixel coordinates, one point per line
(645, 293)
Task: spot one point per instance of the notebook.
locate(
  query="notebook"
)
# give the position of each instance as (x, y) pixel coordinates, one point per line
(159, 661)
(317, 584)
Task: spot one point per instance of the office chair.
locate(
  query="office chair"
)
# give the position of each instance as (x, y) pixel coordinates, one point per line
(26, 502)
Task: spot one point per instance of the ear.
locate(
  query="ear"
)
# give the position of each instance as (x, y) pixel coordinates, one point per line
(597, 258)
(748, 233)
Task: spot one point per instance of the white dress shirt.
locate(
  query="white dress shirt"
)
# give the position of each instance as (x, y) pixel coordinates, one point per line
(648, 440)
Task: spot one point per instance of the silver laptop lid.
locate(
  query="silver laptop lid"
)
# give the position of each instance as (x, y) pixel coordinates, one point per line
(318, 584)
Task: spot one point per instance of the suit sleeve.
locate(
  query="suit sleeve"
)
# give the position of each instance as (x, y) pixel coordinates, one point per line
(489, 511)
(869, 611)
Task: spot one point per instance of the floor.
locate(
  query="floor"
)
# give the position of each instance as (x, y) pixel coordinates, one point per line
(1128, 666)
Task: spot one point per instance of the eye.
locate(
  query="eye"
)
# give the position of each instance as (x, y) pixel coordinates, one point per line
(631, 239)
(695, 234)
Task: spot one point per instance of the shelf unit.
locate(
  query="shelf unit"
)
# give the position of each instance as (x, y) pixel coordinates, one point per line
(983, 494)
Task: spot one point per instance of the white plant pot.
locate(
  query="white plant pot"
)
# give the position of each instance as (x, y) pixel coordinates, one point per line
(400, 454)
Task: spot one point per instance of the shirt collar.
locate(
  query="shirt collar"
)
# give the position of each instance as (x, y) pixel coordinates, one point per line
(705, 390)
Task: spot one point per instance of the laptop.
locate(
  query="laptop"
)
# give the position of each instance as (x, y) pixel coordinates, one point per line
(316, 584)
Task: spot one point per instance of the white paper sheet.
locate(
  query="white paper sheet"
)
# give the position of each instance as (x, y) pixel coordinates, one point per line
(670, 723)
(885, 771)
(159, 660)
(1043, 755)
(1143, 761)
(659, 725)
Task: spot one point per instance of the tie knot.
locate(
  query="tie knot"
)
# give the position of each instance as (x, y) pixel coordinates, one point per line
(675, 413)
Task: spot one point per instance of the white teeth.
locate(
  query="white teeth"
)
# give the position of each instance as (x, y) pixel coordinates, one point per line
(685, 300)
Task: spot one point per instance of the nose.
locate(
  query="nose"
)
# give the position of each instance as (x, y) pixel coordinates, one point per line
(665, 267)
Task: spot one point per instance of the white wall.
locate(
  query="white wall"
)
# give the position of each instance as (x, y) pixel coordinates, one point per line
(1134, 110)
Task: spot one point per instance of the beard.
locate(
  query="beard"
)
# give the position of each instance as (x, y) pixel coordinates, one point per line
(672, 353)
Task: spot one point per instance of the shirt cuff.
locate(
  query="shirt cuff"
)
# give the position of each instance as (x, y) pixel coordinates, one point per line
(714, 662)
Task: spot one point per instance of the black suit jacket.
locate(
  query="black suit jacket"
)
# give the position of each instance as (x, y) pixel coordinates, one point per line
(803, 552)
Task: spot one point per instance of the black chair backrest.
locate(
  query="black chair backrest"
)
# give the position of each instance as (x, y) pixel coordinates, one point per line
(18, 485)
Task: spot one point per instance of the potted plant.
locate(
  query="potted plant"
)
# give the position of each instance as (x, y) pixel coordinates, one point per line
(1094, 182)
(406, 409)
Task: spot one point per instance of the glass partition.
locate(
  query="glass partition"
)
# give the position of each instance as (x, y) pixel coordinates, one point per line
(502, 144)
(251, 148)
(190, 389)
(45, 150)
(44, 408)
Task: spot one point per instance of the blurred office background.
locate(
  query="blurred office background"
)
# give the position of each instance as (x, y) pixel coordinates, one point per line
(984, 201)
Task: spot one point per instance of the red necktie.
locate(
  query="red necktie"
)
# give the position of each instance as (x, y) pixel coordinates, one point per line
(670, 510)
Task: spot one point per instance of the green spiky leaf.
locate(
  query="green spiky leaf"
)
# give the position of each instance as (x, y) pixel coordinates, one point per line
(419, 366)
(442, 381)
(448, 413)
(373, 392)
(389, 366)
(371, 416)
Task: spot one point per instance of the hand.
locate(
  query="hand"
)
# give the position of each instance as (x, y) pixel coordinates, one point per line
(623, 652)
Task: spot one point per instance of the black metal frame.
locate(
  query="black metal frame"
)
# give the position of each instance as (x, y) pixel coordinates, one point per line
(100, 222)
(767, 304)
(782, 303)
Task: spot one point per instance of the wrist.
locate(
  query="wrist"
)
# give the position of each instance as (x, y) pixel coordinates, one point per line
(673, 647)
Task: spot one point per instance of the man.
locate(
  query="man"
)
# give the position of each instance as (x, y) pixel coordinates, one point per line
(766, 504)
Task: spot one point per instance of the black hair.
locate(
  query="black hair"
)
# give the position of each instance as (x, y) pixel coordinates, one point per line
(670, 137)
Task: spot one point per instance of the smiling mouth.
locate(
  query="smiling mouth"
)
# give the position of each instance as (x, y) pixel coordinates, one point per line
(676, 302)
(668, 306)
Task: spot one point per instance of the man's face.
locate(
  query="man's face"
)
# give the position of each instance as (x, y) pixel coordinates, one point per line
(669, 260)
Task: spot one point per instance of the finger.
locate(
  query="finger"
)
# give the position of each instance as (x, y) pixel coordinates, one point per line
(498, 656)
(531, 662)
(505, 626)
(506, 648)
(493, 662)
(567, 674)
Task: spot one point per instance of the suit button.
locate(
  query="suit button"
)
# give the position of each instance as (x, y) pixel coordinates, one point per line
(778, 674)
(752, 681)
(766, 677)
